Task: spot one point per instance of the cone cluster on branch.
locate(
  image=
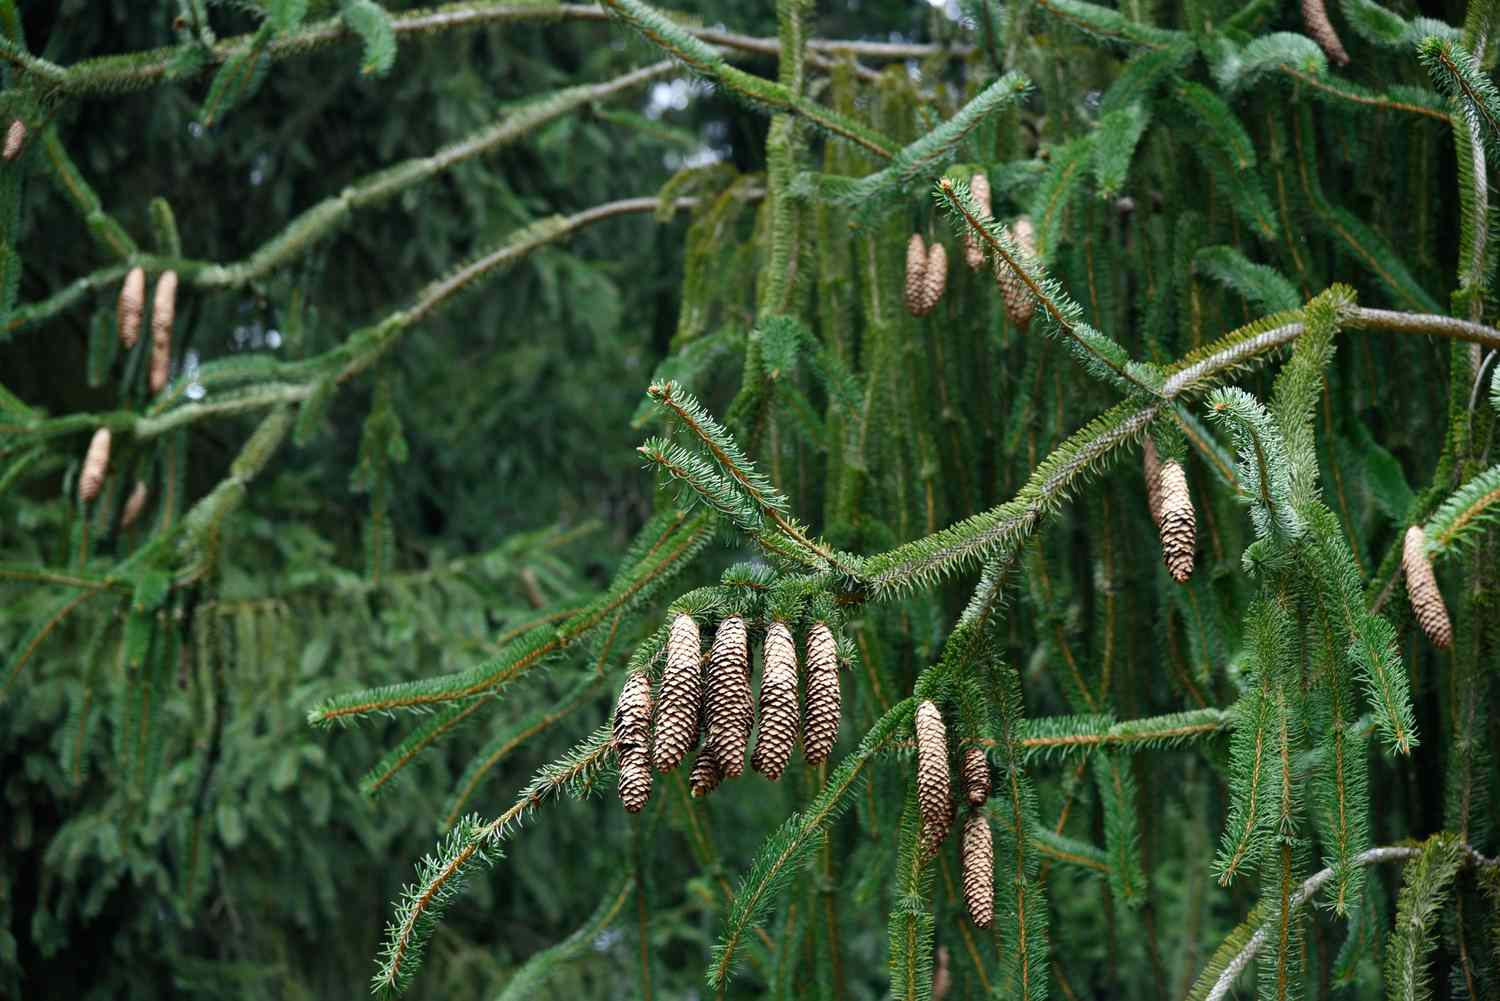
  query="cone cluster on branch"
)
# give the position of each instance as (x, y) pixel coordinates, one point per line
(926, 275)
(163, 312)
(779, 718)
(128, 309)
(1019, 306)
(721, 697)
(979, 187)
(1315, 20)
(1422, 590)
(934, 799)
(1171, 508)
(681, 694)
(15, 138)
(822, 729)
(95, 466)
(632, 740)
(728, 710)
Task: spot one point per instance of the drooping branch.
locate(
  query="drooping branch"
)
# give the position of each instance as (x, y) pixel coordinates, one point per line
(138, 71)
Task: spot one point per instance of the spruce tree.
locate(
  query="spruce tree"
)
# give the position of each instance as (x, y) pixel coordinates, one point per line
(1176, 502)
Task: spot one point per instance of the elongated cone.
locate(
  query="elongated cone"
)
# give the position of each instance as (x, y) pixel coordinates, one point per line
(935, 280)
(942, 976)
(976, 776)
(822, 730)
(15, 138)
(979, 187)
(1315, 20)
(163, 312)
(778, 704)
(916, 273)
(681, 695)
(1422, 590)
(1178, 525)
(1151, 467)
(934, 799)
(728, 706)
(978, 862)
(632, 736)
(1019, 306)
(135, 505)
(128, 309)
(706, 775)
(95, 466)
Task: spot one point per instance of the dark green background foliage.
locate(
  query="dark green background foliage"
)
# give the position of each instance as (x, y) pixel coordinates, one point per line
(376, 501)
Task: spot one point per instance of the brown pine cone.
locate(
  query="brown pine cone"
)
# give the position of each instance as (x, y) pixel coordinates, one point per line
(976, 774)
(728, 707)
(15, 138)
(916, 273)
(1315, 20)
(631, 737)
(822, 730)
(1151, 467)
(128, 309)
(778, 703)
(681, 695)
(933, 793)
(635, 783)
(95, 466)
(706, 775)
(1422, 590)
(935, 280)
(135, 505)
(977, 856)
(1178, 525)
(979, 187)
(1019, 306)
(163, 312)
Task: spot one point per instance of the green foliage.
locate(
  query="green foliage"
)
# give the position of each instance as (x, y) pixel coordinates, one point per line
(396, 478)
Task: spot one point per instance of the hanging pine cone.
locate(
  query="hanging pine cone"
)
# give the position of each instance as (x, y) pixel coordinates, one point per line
(128, 310)
(822, 730)
(15, 138)
(976, 773)
(163, 311)
(1151, 463)
(1315, 20)
(926, 275)
(95, 466)
(728, 705)
(933, 798)
(706, 775)
(778, 703)
(979, 187)
(632, 732)
(134, 505)
(978, 862)
(935, 281)
(1019, 306)
(1178, 525)
(1422, 590)
(916, 273)
(681, 694)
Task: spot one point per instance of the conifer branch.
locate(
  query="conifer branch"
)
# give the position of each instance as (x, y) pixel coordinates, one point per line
(137, 71)
(631, 586)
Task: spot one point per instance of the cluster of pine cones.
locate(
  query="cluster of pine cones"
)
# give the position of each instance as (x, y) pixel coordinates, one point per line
(716, 704)
(935, 804)
(927, 267)
(129, 312)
